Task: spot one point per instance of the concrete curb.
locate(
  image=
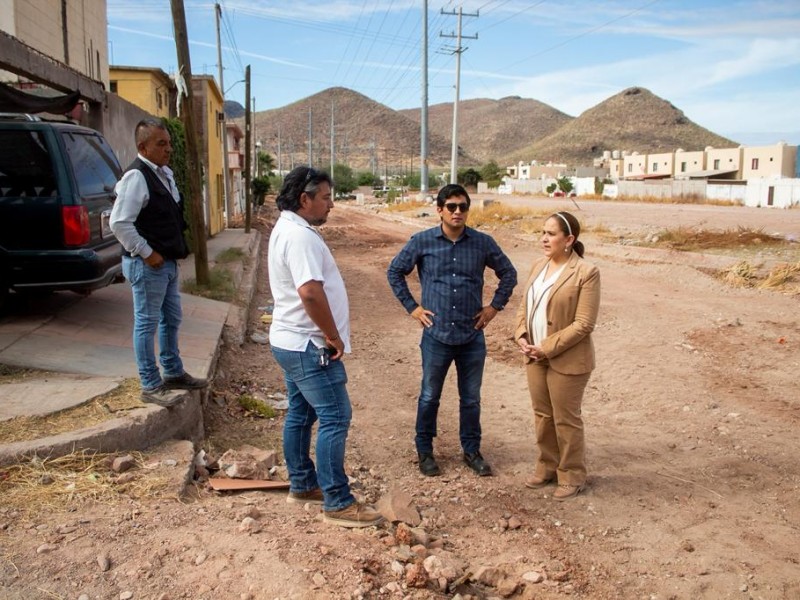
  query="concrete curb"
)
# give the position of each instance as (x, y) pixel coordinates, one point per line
(235, 329)
(138, 430)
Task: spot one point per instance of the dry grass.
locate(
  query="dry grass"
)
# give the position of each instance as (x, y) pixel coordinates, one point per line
(41, 484)
(410, 205)
(690, 239)
(690, 199)
(502, 214)
(103, 408)
(781, 276)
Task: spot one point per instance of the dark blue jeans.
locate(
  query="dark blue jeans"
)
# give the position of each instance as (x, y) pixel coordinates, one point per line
(316, 392)
(436, 360)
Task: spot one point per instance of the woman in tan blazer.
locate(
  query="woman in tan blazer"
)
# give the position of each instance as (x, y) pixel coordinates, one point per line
(554, 323)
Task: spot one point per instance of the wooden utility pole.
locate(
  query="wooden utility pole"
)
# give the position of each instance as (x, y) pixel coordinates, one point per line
(192, 155)
(226, 179)
(248, 151)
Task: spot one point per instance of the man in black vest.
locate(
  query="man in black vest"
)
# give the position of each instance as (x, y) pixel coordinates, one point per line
(147, 219)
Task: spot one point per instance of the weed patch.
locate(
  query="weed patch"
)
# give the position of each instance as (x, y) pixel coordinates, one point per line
(256, 406)
(220, 285)
(230, 255)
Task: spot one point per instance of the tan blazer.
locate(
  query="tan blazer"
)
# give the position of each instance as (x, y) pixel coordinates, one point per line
(571, 316)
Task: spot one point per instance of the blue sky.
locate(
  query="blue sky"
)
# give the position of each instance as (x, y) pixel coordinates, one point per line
(731, 66)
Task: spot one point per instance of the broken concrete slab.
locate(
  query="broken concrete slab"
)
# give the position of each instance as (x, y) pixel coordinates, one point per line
(51, 393)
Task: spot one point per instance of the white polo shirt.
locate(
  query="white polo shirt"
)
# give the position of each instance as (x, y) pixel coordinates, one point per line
(297, 255)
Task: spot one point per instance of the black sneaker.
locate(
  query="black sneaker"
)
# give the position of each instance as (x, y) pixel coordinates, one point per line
(185, 382)
(475, 462)
(162, 396)
(428, 466)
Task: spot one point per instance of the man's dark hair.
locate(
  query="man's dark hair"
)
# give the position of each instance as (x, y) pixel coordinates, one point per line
(449, 191)
(301, 179)
(143, 127)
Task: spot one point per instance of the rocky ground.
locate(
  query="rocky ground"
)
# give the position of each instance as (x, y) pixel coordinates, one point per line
(691, 421)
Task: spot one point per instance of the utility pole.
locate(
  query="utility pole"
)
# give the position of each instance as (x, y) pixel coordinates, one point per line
(226, 176)
(248, 150)
(280, 164)
(255, 138)
(192, 155)
(332, 141)
(458, 50)
(423, 132)
(310, 149)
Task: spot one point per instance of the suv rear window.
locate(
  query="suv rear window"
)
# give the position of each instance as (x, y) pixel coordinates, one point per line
(25, 165)
(93, 163)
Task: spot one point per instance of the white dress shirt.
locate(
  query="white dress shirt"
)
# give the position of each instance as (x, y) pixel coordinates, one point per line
(538, 297)
(297, 255)
(132, 197)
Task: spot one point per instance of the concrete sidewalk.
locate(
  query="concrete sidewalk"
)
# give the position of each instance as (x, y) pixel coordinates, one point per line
(92, 337)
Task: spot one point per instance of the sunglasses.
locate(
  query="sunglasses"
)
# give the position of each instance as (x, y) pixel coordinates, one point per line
(452, 206)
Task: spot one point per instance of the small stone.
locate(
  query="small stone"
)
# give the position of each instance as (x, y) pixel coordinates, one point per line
(416, 576)
(404, 534)
(170, 462)
(514, 523)
(687, 546)
(46, 479)
(533, 577)
(258, 337)
(123, 463)
(420, 550)
(125, 478)
(249, 525)
(46, 548)
(398, 506)
(743, 587)
(397, 568)
(103, 562)
(250, 511)
(83, 597)
(126, 596)
(201, 558)
(319, 579)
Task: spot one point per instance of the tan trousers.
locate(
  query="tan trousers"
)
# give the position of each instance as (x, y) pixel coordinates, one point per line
(556, 400)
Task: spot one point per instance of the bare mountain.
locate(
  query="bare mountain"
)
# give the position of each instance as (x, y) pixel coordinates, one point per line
(634, 120)
(491, 129)
(367, 133)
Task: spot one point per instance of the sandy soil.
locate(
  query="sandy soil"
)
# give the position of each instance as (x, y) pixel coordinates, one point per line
(691, 420)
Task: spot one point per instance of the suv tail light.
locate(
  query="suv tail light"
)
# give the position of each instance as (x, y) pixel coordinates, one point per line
(76, 225)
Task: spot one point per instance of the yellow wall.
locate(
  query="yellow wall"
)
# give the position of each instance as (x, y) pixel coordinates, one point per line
(143, 88)
(660, 164)
(213, 131)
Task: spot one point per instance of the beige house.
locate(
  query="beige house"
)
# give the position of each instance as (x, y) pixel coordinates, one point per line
(689, 162)
(724, 160)
(74, 33)
(634, 165)
(236, 166)
(661, 164)
(149, 88)
(769, 162)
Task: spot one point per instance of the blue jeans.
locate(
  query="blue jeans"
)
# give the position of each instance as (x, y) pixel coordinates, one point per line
(436, 360)
(316, 392)
(156, 307)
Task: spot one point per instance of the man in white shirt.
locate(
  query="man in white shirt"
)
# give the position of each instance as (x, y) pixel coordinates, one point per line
(147, 219)
(309, 335)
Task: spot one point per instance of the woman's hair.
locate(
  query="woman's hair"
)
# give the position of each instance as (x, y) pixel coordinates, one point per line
(570, 226)
(301, 179)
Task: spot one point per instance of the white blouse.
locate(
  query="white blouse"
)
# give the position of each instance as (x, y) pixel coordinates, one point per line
(538, 296)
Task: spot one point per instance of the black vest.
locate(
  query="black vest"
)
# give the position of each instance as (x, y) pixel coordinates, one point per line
(161, 222)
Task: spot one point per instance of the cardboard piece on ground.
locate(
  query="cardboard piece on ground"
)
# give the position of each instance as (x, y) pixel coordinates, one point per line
(223, 484)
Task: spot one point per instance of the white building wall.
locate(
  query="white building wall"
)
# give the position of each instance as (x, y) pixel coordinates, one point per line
(785, 193)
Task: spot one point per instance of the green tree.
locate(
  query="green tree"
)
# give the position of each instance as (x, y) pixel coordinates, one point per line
(260, 188)
(565, 185)
(492, 174)
(551, 188)
(367, 178)
(177, 163)
(266, 164)
(343, 179)
(469, 177)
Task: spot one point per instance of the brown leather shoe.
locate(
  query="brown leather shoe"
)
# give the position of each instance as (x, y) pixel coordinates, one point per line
(564, 492)
(355, 515)
(309, 497)
(535, 482)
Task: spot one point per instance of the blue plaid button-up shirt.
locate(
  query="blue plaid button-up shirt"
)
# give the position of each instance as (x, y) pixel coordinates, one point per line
(451, 275)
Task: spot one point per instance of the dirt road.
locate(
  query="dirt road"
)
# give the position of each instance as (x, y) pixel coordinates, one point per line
(691, 420)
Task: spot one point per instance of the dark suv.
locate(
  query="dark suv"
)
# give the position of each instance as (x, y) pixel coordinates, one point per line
(56, 192)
